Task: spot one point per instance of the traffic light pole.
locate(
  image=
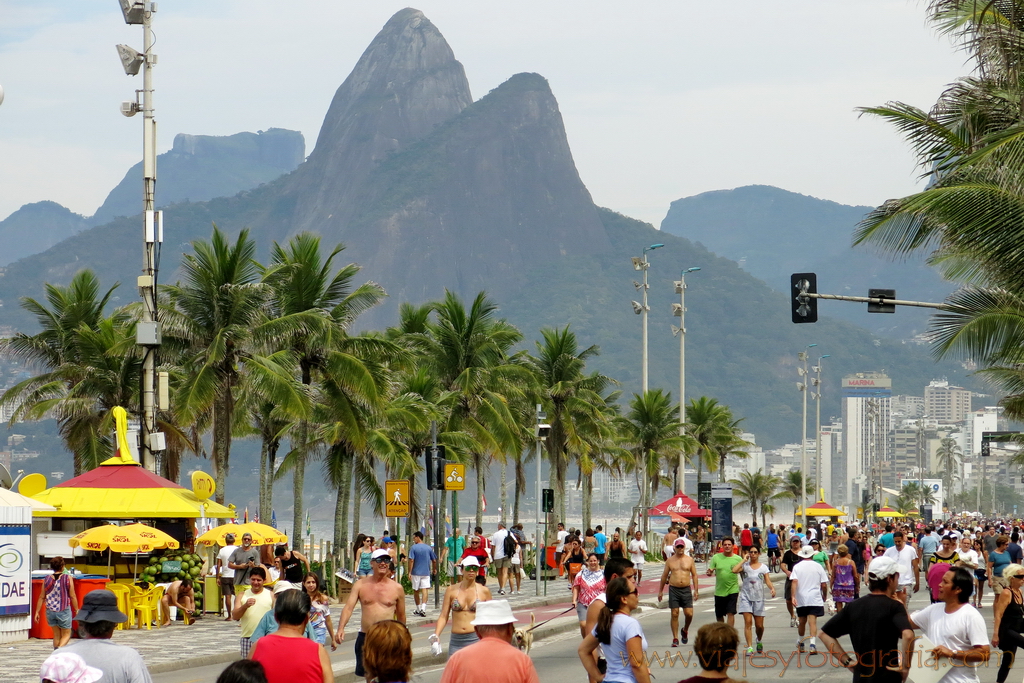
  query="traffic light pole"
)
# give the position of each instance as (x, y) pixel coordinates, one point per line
(879, 300)
(434, 504)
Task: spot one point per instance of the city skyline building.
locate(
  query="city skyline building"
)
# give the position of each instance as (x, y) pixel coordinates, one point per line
(867, 418)
(946, 403)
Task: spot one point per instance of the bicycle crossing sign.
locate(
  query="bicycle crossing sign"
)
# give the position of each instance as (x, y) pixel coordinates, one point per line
(454, 477)
(397, 497)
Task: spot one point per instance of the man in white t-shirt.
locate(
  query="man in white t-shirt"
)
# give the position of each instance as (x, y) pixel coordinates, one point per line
(906, 556)
(560, 545)
(810, 583)
(637, 553)
(956, 628)
(226, 575)
(501, 562)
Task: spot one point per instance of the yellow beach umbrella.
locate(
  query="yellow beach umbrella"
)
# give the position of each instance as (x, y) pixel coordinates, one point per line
(269, 533)
(215, 536)
(131, 538)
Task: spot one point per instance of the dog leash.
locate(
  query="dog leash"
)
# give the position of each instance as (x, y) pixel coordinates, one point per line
(571, 607)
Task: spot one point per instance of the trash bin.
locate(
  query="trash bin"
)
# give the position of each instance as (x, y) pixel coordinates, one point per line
(39, 629)
(551, 558)
(86, 583)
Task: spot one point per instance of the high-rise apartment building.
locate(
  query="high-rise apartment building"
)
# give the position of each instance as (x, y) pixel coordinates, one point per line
(867, 418)
(945, 403)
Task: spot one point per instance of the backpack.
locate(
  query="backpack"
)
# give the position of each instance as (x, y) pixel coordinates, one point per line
(509, 545)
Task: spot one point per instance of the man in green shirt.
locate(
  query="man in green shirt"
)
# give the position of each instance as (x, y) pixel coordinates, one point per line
(727, 584)
(455, 544)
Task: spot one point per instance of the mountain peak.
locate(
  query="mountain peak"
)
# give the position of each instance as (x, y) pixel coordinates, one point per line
(406, 82)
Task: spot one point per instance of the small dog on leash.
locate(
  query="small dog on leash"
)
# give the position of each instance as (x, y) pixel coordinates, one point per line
(523, 637)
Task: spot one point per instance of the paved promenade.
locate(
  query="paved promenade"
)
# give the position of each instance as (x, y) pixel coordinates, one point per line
(211, 640)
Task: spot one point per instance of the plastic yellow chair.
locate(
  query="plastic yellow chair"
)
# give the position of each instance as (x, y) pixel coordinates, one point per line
(124, 602)
(148, 607)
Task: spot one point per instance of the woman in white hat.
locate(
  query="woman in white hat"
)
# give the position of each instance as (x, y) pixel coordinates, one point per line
(459, 605)
(67, 667)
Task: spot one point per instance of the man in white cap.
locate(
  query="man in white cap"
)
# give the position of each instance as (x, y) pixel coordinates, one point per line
(97, 619)
(878, 626)
(810, 583)
(380, 598)
(494, 659)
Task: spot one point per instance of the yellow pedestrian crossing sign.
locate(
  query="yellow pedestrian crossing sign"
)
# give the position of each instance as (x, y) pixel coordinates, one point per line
(454, 477)
(397, 497)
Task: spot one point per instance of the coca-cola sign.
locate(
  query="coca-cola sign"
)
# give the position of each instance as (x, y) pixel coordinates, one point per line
(679, 507)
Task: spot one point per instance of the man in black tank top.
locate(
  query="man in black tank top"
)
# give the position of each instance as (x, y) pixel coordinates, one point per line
(292, 565)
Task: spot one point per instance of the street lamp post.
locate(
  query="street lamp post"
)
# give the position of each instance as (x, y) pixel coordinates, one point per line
(541, 431)
(679, 310)
(148, 328)
(642, 264)
(817, 408)
(802, 356)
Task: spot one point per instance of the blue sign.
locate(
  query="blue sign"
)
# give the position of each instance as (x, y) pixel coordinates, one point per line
(15, 576)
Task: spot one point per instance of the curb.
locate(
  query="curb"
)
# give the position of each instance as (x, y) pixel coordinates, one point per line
(345, 672)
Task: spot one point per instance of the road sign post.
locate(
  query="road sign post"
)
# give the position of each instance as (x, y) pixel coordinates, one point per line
(397, 498)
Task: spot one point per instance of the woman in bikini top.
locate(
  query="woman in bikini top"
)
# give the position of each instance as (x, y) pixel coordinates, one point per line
(460, 600)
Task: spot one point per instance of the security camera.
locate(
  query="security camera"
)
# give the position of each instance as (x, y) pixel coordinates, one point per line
(677, 310)
(542, 431)
(638, 263)
(129, 109)
(638, 308)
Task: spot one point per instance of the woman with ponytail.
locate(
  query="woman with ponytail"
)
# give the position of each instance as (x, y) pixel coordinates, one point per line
(621, 636)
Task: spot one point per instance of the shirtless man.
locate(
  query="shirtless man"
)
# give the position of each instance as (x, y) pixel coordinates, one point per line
(681, 575)
(380, 598)
(670, 538)
(178, 594)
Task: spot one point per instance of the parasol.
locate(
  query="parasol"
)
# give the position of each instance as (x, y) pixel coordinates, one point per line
(215, 536)
(131, 538)
(269, 533)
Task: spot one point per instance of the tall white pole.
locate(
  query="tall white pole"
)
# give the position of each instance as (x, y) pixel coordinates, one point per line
(147, 281)
(817, 439)
(541, 562)
(681, 331)
(643, 334)
(803, 446)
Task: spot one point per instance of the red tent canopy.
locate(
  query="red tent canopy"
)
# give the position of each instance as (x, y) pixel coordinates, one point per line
(680, 504)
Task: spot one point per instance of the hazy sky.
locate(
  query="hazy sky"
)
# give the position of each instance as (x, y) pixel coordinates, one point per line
(661, 99)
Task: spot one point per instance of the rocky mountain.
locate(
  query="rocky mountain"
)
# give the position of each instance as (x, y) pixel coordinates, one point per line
(772, 232)
(430, 190)
(36, 227)
(201, 167)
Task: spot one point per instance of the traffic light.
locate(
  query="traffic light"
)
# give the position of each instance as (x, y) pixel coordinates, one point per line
(435, 468)
(876, 507)
(805, 308)
(986, 448)
(547, 500)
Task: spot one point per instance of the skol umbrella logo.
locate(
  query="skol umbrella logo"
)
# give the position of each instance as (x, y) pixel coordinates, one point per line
(120, 539)
(93, 545)
(11, 560)
(147, 534)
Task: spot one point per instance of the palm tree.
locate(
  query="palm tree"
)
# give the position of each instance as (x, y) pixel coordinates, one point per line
(89, 365)
(728, 442)
(211, 315)
(756, 489)
(573, 402)
(706, 420)
(971, 147)
(793, 488)
(650, 431)
(312, 308)
(948, 455)
(468, 352)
